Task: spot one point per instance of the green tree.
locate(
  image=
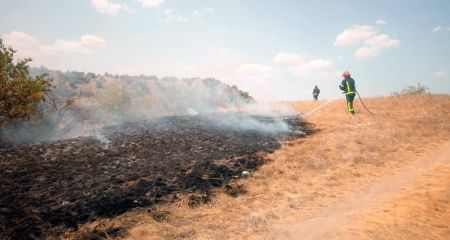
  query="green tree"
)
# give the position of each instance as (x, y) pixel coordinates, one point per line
(20, 94)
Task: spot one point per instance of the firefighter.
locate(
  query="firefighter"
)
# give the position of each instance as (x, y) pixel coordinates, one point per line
(348, 86)
(315, 92)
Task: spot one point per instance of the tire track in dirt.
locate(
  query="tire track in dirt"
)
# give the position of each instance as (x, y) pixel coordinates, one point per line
(334, 218)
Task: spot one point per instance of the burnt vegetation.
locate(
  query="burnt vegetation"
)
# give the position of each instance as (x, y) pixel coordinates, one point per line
(50, 187)
(53, 180)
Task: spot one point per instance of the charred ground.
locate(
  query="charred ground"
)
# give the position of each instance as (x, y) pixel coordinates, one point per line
(49, 187)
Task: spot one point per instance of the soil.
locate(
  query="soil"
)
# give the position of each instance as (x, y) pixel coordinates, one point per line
(49, 187)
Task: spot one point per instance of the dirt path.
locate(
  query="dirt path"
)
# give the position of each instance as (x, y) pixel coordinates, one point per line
(334, 219)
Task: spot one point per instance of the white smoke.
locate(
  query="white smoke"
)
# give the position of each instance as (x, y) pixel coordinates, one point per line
(106, 100)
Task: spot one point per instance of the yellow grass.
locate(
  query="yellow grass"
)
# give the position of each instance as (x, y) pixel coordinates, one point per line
(419, 212)
(306, 175)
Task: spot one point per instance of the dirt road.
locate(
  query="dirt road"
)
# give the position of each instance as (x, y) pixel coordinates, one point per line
(334, 221)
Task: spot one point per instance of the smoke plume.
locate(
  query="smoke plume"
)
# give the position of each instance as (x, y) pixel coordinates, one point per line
(81, 103)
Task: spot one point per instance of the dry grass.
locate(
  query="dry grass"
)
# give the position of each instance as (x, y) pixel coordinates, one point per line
(309, 174)
(419, 212)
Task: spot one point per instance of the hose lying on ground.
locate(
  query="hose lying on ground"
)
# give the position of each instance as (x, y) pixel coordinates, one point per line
(360, 99)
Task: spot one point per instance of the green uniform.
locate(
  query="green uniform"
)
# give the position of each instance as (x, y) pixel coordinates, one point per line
(348, 86)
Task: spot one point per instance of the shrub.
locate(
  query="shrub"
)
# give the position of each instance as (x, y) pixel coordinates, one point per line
(412, 90)
(20, 94)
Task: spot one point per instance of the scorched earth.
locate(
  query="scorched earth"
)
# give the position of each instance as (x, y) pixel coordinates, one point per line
(50, 187)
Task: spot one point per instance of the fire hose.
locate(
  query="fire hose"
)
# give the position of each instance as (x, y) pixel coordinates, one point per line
(362, 103)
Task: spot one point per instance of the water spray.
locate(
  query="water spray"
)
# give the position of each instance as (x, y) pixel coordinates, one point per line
(318, 107)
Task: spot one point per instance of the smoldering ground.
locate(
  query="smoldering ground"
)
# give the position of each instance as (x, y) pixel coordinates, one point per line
(49, 187)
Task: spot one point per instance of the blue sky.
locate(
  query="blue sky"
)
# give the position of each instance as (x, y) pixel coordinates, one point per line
(273, 49)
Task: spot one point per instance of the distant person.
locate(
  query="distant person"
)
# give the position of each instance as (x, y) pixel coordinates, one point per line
(348, 86)
(316, 92)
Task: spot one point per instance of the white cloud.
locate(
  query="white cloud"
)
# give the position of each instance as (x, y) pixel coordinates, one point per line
(380, 22)
(254, 71)
(288, 58)
(314, 68)
(22, 41)
(106, 7)
(355, 34)
(448, 29)
(112, 8)
(92, 41)
(437, 29)
(151, 3)
(383, 41)
(198, 14)
(299, 67)
(441, 74)
(29, 45)
(375, 45)
(170, 16)
(66, 46)
(373, 42)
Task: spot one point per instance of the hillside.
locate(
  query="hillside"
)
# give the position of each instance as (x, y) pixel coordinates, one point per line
(80, 102)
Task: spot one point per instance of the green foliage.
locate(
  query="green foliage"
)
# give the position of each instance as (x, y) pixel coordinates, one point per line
(86, 94)
(76, 78)
(169, 79)
(412, 90)
(98, 84)
(90, 75)
(115, 101)
(20, 94)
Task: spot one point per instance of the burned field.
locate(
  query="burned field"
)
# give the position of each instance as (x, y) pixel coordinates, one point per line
(49, 187)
